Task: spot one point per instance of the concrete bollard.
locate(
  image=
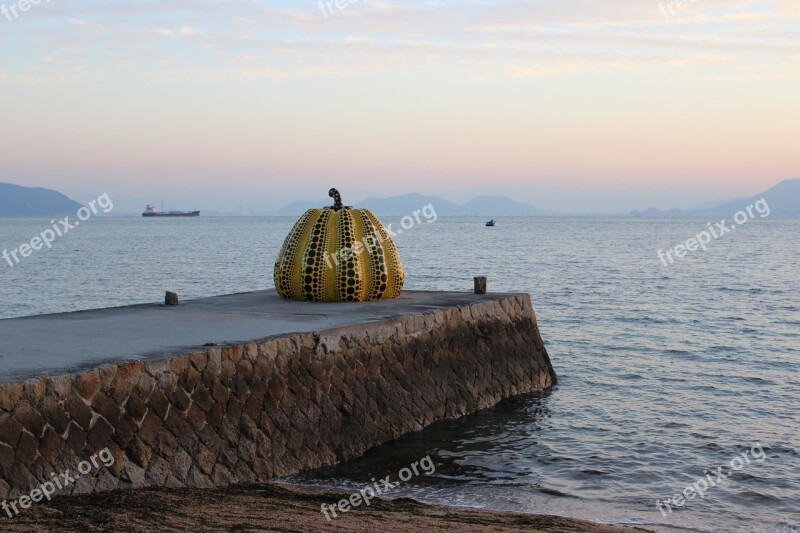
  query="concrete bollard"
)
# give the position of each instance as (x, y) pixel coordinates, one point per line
(480, 284)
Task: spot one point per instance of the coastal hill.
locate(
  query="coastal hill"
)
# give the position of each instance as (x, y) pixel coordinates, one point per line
(408, 203)
(500, 205)
(19, 201)
(783, 200)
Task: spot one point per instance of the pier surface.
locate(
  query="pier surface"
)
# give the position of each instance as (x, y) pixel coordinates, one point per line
(248, 387)
(61, 343)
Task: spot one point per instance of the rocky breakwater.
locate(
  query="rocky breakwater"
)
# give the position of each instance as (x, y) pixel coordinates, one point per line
(251, 411)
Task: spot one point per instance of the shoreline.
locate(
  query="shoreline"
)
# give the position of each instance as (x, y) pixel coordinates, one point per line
(270, 507)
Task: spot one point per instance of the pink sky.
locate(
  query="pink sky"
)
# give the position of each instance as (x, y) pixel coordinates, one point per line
(391, 97)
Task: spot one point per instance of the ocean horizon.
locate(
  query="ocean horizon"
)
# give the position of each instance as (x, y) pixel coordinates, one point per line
(668, 371)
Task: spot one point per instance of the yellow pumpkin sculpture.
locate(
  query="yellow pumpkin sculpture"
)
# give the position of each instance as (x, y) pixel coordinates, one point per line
(338, 254)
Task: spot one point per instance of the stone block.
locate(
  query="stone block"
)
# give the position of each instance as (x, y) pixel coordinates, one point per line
(159, 404)
(202, 397)
(189, 378)
(199, 360)
(58, 387)
(27, 449)
(221, 477)
(196, 417)
(87, 384)
(6, 459)
(124, 430)
(108, 374)
(139, 452)
(10, 430)
(136, 407)
(165, 444)
(132, 476)
(149, 429)
(55, 414)
(145, 385)
(197, 479)
(49, 446)
(157, 473)
(33, 390)
(10, 394)
(181, 400)
(180, 465)
(130, 372)
(107, 407)
(100, 435)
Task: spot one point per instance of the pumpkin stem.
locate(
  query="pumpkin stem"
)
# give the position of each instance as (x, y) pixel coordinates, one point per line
(337, 199)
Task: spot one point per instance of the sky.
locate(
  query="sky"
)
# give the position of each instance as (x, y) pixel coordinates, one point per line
(237, 103)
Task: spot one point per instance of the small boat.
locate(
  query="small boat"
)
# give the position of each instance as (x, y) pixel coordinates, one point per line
(151, 212)
(490, 224)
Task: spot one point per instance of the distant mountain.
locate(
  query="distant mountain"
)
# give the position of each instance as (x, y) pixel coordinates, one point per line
(499, 205)
(783, 200)
(408, 203)
(491, 206)
(18, 201)
(653, 212)
(714, 203)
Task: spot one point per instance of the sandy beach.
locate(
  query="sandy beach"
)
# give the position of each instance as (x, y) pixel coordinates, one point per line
(268, 507)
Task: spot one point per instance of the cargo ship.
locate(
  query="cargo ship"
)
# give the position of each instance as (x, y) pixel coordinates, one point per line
(151, 212)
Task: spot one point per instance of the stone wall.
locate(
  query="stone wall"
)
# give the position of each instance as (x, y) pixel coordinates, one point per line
(268, 408)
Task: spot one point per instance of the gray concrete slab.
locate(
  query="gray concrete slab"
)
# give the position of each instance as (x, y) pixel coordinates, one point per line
(45, 345)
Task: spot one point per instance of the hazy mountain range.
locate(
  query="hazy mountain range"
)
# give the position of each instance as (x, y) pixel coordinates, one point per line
(18, 201)
(783, 200)
(408, 203)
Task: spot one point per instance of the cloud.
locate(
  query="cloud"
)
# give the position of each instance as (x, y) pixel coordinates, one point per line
(359, 40)
(701, 59)
(163, 32)
(748, 16)
(516, 71)
(260, 73)
(190, 32)
(513, 38)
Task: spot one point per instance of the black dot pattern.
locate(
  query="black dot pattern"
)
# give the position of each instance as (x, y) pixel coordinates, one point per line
(318, 263)
(377, 259)
(288, 256)
(314, 270)
(395, 272)
(349, 279)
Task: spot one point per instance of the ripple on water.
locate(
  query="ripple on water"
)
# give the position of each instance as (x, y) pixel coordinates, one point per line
(692, 369)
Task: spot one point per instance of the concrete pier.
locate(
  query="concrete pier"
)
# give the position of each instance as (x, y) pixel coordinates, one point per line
(246, 387)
